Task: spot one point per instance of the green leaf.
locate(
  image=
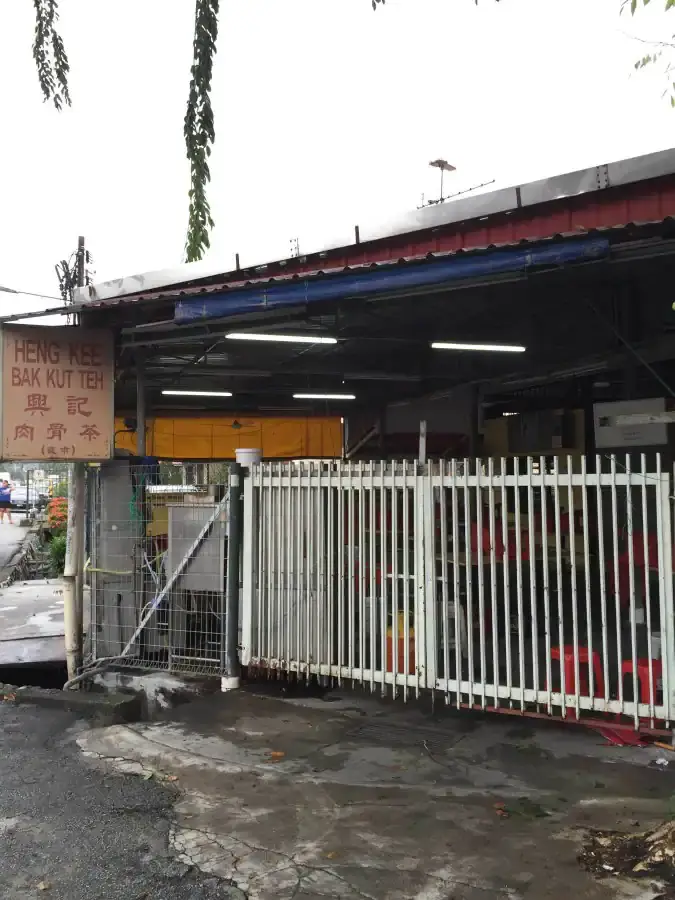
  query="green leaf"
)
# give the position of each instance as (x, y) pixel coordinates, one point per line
(49, 54)
(198, 128)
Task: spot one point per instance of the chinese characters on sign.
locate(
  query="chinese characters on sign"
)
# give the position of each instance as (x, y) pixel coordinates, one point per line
(57, 393)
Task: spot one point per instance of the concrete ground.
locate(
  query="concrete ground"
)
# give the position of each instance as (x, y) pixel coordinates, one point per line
(11, 538)
(346, 797)
(31, 621)
(71, 831)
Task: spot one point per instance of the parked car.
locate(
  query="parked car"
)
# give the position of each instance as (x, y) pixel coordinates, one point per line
(19, 497)
(21, 500)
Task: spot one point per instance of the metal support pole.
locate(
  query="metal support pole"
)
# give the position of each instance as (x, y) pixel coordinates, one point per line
(422, 455)
(81, 261)
(141, 423)
(79, 479)
(73, 572)
(230, 645)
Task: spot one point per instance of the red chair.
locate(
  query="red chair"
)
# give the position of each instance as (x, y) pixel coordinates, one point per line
(524, 545)
(639, 550)
(643, 676)
(638, 565)
(584, 660)
(486, 543)
(550, 523)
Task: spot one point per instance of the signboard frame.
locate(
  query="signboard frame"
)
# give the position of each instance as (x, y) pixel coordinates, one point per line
(75, 338)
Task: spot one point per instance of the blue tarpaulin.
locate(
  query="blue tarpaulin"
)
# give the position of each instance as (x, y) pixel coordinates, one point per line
(260, 297)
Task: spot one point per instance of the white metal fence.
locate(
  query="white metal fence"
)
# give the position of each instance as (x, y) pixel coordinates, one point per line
(523, 583)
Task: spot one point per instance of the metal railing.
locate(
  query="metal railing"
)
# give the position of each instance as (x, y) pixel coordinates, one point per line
(536, 584)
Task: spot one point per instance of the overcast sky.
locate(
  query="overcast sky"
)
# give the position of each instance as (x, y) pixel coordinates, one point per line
(327, 115)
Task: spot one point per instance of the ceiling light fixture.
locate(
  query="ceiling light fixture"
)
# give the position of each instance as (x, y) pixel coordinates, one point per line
(280, 338)
(485, 348)
(198, 393)
(324, 396)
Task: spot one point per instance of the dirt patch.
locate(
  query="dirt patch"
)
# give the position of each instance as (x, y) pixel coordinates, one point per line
(646, 854)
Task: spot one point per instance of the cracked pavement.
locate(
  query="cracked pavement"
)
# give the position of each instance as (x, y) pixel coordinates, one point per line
(72, 831)
(303, 800)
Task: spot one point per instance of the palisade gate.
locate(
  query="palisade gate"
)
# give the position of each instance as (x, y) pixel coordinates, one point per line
(516, 584)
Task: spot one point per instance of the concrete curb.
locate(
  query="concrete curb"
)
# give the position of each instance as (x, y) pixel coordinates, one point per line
(103, 709)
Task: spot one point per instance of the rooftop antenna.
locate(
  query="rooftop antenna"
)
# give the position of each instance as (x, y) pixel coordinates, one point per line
(295, 246)
(444, 166)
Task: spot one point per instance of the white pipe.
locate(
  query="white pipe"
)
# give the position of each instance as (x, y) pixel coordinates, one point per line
(70, 624)
(72, 603)
(80, 513)
(423, 442)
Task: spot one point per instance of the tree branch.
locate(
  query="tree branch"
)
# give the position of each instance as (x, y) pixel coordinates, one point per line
(49, 54)
(198, 128)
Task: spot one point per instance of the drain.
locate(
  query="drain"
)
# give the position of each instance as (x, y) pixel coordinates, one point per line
(43, 676)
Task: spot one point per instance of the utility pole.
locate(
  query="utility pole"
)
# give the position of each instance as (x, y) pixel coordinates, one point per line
(73, 572)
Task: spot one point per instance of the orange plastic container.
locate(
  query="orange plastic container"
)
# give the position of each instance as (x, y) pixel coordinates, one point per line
(403, 634)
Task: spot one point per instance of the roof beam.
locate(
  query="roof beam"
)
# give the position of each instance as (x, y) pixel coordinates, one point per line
(53, 311)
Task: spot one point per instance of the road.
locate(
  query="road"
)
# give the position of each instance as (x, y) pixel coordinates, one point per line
(72, 831)
(31, 613)
(11, 537)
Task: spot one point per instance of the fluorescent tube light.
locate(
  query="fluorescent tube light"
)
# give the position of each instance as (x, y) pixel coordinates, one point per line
(198, 393)
(280, 338)
(324, 396)
(487, 348)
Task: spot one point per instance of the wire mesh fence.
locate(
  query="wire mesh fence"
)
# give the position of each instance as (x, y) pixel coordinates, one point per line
(158, 541)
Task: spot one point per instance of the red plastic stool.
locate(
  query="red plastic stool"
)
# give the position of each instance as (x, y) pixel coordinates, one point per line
(583, 657)
(643, 676)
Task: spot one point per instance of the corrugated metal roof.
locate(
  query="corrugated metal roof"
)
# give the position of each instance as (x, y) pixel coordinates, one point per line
(613, 232)
(290, 277)
(469, 209)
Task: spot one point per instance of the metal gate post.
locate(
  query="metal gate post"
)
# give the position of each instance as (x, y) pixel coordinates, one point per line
(249, 574)
(425, 619)
(666, 553)
(93, 503)
(229, 656)
(420, 587)
(431, 606)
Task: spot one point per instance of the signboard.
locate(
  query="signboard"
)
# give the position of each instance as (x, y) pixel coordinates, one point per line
(644, 432)
(56, 393)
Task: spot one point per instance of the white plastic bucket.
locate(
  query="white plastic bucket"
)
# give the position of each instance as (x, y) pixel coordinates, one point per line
(247, 456)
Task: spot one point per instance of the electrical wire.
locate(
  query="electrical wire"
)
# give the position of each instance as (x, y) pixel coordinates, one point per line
(631, 349)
